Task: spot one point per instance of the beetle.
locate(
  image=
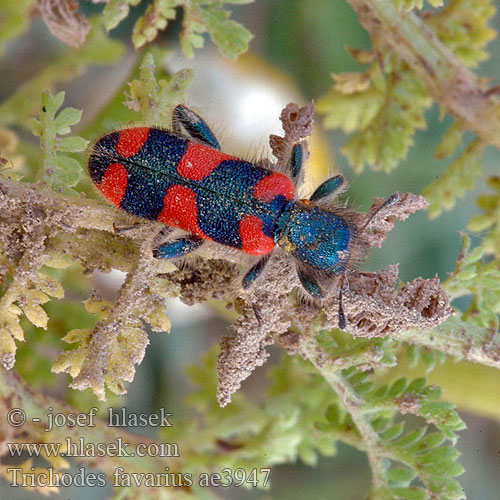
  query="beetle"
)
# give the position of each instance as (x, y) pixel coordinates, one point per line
(182, 179)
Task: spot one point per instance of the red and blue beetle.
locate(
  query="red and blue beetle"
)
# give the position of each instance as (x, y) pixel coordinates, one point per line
(182, 179)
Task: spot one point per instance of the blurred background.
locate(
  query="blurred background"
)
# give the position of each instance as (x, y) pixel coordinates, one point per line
(294, 50)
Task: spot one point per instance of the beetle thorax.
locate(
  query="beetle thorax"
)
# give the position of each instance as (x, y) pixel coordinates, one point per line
(314, 236)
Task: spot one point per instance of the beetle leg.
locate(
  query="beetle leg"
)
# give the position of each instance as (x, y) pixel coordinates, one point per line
(177, 248)
(125, 229)
(328, 188)
(194, 125)
(296, 162)
(255, 271)
(310, 283)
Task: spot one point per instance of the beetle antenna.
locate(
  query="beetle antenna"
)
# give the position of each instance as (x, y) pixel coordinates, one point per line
(342, 321)
(394, 198)
(387, 203)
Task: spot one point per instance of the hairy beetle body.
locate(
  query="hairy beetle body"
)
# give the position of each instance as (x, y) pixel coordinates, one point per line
(157, 175)
(182, 179)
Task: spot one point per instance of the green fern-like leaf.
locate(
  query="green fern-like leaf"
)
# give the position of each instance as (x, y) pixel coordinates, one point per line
(386, 140)
(450, 141)
(154, 19)
(418, 453)
(116, 11)
(472, 276)
(350, 112)
(385, 109)
(489, 220)
(200, 16)
(369, 415)
(231, 37)
(59, 171)
(463, 26)
(356, 351)
(458, 178)
(25, 294)
(416, 4)
(155, 99)
(428, 357)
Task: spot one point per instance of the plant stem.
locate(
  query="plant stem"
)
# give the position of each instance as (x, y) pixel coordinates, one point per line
(459, 339)
(352, 404)
(457, 89)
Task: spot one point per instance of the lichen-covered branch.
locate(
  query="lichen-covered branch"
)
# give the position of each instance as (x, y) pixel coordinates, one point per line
(377, 290)
(118, 341)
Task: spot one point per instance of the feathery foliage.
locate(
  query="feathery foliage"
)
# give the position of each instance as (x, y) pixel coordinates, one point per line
(200, 16)
(489, 220)
(329, 386)
(416, 4)
(59, 171)
(399, 459)
(480, 277)
(385, 104)
(384, 108)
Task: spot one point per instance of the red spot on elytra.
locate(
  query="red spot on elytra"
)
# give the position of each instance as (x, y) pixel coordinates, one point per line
(114, 183)
(199, 160)
(131, 140)
(253, 240)
(272, 185)
(180, 210)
